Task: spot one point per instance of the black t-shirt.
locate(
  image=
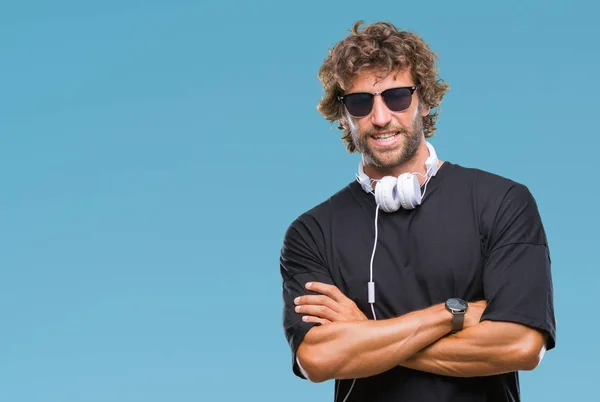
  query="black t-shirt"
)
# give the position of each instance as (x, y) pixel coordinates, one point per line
(475, 236)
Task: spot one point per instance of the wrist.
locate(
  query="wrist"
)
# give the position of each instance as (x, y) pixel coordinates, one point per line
(444, 317)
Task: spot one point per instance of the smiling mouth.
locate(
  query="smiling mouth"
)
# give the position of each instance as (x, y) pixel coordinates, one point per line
(385, 137)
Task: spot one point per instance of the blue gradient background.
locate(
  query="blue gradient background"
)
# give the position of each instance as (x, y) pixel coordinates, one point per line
(152, 154)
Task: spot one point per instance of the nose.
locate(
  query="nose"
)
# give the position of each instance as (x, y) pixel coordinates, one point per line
(381, 115)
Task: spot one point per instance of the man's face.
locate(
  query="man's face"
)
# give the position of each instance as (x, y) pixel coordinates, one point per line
(385, 138)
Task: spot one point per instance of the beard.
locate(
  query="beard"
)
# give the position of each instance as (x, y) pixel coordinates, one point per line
(390, 158)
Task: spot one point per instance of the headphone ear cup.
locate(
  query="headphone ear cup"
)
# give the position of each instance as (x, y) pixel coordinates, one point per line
(409, 191)
(386, 194)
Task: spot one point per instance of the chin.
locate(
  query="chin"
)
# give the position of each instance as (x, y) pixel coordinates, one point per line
(386, 160)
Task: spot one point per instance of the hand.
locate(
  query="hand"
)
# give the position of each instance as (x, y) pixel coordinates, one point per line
(474, 313)
(332, 305)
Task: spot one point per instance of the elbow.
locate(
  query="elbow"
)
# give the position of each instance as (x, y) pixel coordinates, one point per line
(313, 364)
(533, 358)
(532, 351)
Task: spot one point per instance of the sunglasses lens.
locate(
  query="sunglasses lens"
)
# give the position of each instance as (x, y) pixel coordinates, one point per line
(397, 99)
(359, 104)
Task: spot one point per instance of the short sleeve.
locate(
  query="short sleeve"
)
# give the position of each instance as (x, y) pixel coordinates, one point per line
(517, 276)
(302, 260)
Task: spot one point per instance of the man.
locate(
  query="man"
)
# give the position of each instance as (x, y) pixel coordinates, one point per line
(422, 280)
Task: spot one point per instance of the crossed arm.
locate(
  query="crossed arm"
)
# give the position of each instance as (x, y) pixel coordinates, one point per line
(488, 348)
(348, 345)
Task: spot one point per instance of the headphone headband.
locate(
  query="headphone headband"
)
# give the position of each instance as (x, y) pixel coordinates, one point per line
(432, 162)
(363, 179)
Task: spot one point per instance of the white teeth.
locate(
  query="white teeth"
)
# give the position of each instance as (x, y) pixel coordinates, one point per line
(384, 137)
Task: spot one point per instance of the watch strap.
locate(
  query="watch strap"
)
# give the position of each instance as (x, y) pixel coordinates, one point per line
(458, 320)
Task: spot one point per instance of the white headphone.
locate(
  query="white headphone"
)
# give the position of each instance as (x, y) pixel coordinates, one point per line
(392, 192)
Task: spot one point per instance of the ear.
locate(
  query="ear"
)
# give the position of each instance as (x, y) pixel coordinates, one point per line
(343, 124)
(425, 111)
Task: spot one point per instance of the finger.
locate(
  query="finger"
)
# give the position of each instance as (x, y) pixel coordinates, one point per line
(310, 318)
(328, 290)
(318, 300)
(318, 311)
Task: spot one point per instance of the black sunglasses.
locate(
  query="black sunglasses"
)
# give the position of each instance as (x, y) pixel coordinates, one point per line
(360, 104)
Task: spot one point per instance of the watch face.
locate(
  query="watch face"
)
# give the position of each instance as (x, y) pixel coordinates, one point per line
(456, 304)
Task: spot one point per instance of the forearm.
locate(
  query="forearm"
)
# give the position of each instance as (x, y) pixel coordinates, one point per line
(358, 349)
(485, 349)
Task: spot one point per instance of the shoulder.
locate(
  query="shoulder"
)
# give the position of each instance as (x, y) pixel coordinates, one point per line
(478, 178)
(316, 220)
(488, 188)
(505, 208)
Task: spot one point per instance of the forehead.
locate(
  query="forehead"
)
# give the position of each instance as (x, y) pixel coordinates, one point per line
(376, 81)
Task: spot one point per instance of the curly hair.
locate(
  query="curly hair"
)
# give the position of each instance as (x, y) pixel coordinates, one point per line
(381, 47)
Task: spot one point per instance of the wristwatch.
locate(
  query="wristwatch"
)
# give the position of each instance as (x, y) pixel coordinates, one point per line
(458, 308)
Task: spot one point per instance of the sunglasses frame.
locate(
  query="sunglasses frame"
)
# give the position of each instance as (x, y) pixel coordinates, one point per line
(411, 88)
